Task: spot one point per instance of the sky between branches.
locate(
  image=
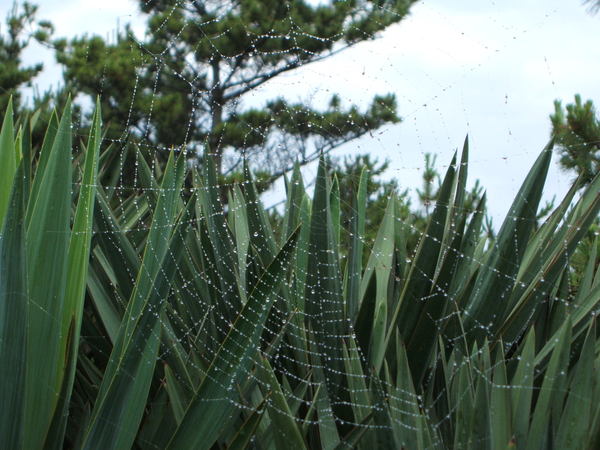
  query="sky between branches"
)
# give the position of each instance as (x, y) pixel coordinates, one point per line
(487, 68)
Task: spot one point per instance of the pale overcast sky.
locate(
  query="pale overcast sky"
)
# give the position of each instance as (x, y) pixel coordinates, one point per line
(491, 69)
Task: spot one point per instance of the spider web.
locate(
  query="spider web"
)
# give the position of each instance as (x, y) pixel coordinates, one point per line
(437, 62)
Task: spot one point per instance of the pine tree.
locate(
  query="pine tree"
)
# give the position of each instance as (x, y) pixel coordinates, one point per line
(21, 28)
(594, 5)
(576, 130)
(186, 82)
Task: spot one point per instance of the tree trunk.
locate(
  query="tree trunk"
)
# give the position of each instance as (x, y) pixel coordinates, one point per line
(216, 106)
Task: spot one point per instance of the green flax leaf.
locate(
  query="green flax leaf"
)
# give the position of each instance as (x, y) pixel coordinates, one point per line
(47, 238)
(8, 162)
(13, 320)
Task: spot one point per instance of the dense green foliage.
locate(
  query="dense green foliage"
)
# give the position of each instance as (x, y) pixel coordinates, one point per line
(173, 311)
(14, 38)
(577, 133)
(163, 320)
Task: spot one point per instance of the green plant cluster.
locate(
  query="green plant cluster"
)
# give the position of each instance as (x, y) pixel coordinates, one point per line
(163, 319)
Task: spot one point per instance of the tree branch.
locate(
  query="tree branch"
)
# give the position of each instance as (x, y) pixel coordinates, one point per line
(257, 80)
